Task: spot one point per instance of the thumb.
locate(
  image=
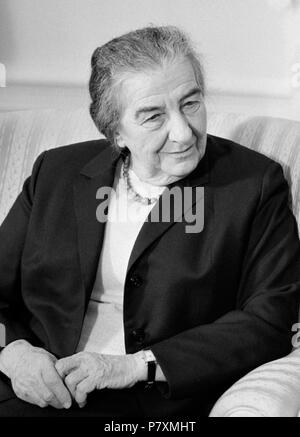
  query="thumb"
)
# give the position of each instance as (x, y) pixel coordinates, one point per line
(61, 368)
(65, 365)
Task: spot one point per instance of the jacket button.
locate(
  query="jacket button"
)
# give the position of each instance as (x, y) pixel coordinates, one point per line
(136, 281)
(138, 335)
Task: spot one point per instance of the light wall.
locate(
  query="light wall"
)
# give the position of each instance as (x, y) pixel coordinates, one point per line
(247, 48)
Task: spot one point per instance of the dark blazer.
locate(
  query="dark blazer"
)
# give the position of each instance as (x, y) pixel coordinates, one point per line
(211, 305)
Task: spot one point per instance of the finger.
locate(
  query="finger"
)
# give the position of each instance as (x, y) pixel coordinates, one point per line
(56, 386)
(51, 400)
(28, 394)
(34, 391)
(34, 400)
(83, 388)
(66, 365)
(73, 379)
(49, 397)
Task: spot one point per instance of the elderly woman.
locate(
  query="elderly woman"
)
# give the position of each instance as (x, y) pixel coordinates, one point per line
(122, 299)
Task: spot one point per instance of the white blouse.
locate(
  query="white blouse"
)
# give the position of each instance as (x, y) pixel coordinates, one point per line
(103, 328)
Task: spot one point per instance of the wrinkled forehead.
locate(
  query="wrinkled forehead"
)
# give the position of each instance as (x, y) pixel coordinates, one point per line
(171, 81)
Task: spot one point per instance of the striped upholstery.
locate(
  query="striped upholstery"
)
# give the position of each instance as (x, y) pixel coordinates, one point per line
(271, 390)
(25, 134)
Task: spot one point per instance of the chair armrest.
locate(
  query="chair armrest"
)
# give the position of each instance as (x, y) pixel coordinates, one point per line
(271, 390)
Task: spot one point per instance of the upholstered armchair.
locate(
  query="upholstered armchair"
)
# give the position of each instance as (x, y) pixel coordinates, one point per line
(270, 390)
(273, 389)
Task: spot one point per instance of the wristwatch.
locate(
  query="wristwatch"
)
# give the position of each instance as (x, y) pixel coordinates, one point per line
(151, 362)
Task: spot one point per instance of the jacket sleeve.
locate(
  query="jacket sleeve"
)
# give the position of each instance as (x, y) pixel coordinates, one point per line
(258, 330)
(13, 315)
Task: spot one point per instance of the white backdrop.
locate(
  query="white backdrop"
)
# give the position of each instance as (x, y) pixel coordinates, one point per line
(247, 45)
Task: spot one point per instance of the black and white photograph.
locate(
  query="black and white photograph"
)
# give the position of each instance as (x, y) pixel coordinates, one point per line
(149, 211)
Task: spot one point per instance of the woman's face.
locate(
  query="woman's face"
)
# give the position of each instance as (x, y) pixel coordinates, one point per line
(163, 122)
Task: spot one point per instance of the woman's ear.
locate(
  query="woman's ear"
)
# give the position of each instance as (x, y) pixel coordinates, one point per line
(119, 141)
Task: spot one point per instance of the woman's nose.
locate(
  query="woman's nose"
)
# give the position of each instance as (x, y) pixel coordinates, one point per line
(180, 130)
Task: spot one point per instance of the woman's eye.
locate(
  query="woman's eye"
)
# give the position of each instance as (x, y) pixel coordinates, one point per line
(153, 117)
(193, 104)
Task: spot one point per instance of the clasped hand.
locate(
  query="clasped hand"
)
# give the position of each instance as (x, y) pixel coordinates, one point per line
(33, 375)
(39, 378)
(85, 372)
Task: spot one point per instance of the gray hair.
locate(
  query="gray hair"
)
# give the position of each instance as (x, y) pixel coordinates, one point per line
(135, 51)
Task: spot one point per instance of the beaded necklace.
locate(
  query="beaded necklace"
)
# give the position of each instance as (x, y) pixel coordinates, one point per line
(136, 196)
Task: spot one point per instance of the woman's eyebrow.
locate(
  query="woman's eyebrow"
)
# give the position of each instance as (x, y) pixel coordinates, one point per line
(190, 93)
(147, 109)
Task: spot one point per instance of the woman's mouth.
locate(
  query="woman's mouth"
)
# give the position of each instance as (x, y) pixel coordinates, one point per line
(182, 153)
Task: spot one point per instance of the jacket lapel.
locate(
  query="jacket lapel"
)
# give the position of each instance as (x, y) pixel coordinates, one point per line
(96, 174)
(151, 230)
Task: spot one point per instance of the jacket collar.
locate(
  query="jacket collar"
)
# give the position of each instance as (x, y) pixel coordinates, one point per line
(99, 172)
(106, 161)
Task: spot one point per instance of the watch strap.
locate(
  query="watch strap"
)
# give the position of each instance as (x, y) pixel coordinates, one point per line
(150, 360)
(151, 371)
